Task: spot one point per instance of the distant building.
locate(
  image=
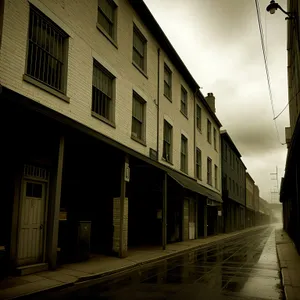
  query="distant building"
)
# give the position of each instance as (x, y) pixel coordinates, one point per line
(250, 208)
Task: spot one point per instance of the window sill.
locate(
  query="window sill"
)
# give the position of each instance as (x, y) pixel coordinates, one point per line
(186, 173)
(101, 29)
(139, 69)
(168, 98)
(46, 88)
(169, 162)
(139, 140)
(101, 118)
(185, 115)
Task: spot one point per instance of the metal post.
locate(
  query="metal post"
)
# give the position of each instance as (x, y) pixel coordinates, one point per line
(164, 211)
(205, 218)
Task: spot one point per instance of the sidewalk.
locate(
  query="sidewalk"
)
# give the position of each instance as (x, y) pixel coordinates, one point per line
(102, 266)
(289, 263)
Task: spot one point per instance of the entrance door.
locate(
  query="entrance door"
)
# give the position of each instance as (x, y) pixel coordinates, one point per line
(31, 223)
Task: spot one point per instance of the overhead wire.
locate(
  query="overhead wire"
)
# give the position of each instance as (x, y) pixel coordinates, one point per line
(262, 39)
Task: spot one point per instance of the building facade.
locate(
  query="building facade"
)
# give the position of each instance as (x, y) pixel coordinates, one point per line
(289, 192)
(99, 111)
(233, 185)
(256, 203)
(250, 208)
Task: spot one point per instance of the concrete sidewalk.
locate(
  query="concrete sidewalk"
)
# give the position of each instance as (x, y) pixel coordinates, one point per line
(289, 262)
(102, 266)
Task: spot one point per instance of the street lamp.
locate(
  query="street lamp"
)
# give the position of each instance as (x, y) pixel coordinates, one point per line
(273, 6)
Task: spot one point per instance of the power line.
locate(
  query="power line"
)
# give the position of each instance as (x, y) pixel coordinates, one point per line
(266, 66)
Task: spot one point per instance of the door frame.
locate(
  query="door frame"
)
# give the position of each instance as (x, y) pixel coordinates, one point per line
(35, 179)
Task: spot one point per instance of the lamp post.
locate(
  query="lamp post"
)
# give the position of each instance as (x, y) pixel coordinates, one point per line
(273, 6)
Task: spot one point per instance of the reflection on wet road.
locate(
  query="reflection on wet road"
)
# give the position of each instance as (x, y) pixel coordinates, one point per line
(243, 268)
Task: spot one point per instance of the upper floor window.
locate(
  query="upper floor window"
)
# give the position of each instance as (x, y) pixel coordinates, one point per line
(198, 164)
(208, 131)
(233, 186)
(230, 157)
(225, 151)
(184, 105)
(209, 171)
(47, 51)
(168, 141)
(103, 93)
(215, 138)
(184, 157)
(107, 17)
(139, 49)
(167, 82)
(216, 177)
(237, 188)
(229, 184)
(198, 117)
(138, 118)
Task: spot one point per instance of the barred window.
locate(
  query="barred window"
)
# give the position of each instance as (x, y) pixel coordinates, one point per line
(139, 49)
(184, 106)
(106, 16)
(138, 117)
(102, 95)
(168, 82)
(198, 164)
(46, 60)
(183, 160)
(167, 146)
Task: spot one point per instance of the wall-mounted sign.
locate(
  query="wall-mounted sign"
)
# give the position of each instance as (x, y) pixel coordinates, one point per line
(127, 172)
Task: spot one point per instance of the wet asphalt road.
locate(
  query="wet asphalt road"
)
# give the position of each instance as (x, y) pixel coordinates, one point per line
(242, 268)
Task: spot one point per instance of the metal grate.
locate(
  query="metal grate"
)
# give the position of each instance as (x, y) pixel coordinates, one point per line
(45, 61)
(35, 172)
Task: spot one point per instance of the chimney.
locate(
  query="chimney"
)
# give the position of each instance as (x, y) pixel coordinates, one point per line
(210, 99)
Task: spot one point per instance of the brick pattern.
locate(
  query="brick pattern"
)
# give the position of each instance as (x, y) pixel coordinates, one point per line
(116, 224)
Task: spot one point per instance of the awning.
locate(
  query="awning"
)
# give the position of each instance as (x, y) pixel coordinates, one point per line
(192, 185)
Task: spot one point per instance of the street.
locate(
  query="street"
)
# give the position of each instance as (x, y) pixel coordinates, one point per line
(241, 268)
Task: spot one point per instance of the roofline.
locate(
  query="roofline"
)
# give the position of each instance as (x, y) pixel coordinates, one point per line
(148, 19)
(225, 134)
(247, 174)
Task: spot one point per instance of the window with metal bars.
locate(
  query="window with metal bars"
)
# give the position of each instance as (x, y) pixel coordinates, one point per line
(183, 160)
(208, 131)
(107, 16)
(184, 106)
(216, 177)
(167, 82)
(138, 117)
(46, 59)
(209, 171)
(198, 117)
(168, 140)
(198, 164)
(102, 94)
(139, 49)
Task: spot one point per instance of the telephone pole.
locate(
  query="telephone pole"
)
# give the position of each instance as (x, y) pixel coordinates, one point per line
(275, 192)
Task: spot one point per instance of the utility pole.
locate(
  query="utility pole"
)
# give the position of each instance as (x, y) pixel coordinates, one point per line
(276, 191)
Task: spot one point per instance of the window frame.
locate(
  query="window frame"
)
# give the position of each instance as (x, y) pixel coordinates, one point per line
(142, 139)
(136, 31)
(111, 120)
(184, 154)
(199, 117)
(209, 131)
(216, 176)
(198, 163)
(209, 171)
(169, 72)
(183, 92)
(215, 138)
(170, 143)
(60, 93)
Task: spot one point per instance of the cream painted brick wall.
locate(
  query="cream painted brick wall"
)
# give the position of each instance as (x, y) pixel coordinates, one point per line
(78, 19)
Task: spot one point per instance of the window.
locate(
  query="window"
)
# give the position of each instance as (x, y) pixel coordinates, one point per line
(107, 16)
(209, 171)
(46, 58)
(168, 82)
(216, 177)
(183, 159)
(184, 105)
(198, 117)
(139, 49)
(241, 191)
(230, 157)
(215, 138)
(138, 117)
(233, 161)
(167, 146)
(208, 131)
(237, 188)
(229, 183)
(102, 97)
(237, 167)
(226, 150)
(233, 186)
(198, 164)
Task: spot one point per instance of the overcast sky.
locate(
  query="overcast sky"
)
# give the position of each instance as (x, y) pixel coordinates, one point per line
(219, 42)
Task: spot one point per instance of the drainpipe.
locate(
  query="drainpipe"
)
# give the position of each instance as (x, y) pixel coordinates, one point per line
(157, 102)
(195, 120)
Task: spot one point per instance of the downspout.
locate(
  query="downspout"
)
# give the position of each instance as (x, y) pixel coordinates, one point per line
(195, 120)
(157, 103)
